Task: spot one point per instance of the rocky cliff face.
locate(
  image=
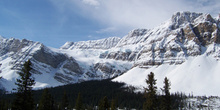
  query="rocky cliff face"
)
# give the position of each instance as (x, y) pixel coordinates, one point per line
(185, 34)
(15, 52)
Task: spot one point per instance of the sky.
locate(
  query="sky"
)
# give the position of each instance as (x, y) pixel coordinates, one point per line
(54, 22)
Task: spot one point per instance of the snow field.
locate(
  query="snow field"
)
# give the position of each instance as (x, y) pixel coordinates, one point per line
(198, 75)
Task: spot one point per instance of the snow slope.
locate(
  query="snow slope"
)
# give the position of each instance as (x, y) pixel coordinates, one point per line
(90, 62)
(198, 75)
(13, 54)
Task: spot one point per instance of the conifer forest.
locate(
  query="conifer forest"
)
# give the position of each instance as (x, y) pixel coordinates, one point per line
(90, 95)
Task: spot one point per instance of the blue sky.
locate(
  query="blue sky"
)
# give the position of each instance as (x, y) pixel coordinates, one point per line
(54, 22)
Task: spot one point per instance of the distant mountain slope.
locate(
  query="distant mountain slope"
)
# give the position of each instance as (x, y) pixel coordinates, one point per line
(52, 67)
(93, 44)
(173, 44)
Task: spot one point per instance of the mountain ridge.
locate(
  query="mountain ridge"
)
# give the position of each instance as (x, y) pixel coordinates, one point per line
(105, 43)
(174, 42)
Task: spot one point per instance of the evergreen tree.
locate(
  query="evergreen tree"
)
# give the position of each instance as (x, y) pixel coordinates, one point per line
(3, 105)
(103, 104)
(24, 98)
(46, 102)
(78, 105)
(150, 93)
(113, 104)
(65, 102)
(166, 99)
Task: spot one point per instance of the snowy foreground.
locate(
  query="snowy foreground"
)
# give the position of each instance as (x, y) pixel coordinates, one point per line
(198, 76)
(204, 103)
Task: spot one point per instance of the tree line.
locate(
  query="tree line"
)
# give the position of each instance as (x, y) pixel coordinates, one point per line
(92, 95)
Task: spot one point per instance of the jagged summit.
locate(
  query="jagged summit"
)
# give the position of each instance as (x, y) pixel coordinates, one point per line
(1, 37)
(182, 18)
(185, 34)
(179, 21)
(133, 37)
(137, 32)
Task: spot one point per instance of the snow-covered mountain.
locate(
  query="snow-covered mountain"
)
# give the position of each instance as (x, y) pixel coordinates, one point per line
(184, 48)
(53, 67)
(49, 68)
(106, 43)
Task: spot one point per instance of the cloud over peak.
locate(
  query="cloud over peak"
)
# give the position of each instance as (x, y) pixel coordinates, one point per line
(140, 13)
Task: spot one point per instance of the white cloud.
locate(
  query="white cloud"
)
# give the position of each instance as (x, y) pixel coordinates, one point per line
(131, 14)
(91, 2)
(106, 30)
(90, 37)
(205, 6)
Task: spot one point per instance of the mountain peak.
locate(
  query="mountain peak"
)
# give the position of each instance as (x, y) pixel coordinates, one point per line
(137, 32)
(185, 16)
(181, 18)
(1, 37)
(205, 18)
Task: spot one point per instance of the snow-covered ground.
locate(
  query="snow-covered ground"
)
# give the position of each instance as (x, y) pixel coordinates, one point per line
(198, 75)
(203, 103)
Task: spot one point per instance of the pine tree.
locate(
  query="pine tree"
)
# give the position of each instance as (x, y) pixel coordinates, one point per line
(166, 99)
(103, 104)
(2, 104)
(150, 93)
(78, 105)
(24, 98)
(113, 104)
(46, 102)
(65, 102)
